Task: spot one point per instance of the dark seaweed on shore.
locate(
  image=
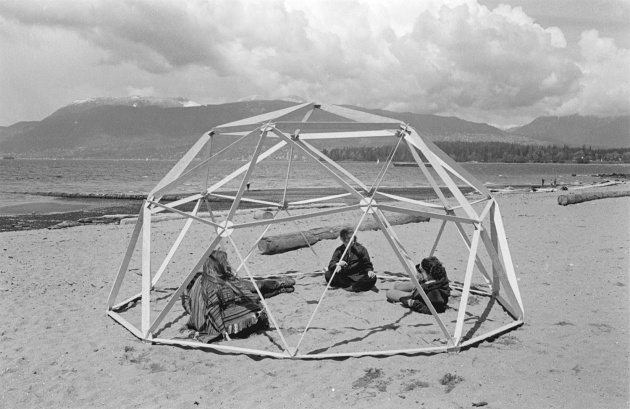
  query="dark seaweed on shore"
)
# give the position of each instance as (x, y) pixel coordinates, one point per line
(132, 207)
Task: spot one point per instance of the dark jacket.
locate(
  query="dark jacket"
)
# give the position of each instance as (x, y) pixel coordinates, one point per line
(357, 258)
(438, 293)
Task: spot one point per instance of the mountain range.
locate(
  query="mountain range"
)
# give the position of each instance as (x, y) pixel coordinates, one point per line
(140, 127)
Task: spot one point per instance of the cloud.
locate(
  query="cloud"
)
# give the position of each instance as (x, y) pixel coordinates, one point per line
(604, 87)
(451, 57)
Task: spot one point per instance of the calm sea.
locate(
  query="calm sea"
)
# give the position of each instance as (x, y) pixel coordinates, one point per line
(28, 176)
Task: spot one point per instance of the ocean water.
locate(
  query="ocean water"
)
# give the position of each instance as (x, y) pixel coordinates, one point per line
(21, 178)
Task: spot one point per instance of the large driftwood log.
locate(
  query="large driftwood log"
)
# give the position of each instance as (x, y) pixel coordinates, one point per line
(585, 197)
(291, 241)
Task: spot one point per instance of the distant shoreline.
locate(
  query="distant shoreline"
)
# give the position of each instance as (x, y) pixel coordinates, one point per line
(76, 206)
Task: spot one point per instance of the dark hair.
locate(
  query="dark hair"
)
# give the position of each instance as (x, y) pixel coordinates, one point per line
(346, 232)
(433, 267)
(217, 262)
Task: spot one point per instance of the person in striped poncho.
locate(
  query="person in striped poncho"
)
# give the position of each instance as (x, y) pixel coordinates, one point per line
(222, 305)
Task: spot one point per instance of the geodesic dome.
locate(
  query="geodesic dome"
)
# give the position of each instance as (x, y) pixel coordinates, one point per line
(475, 216)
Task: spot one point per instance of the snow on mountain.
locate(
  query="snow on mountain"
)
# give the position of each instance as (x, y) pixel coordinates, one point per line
(133, 101)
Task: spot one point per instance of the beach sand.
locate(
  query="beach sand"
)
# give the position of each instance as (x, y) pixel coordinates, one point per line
(59, 349)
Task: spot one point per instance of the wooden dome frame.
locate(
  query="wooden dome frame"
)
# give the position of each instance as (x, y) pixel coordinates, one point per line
(500, 277)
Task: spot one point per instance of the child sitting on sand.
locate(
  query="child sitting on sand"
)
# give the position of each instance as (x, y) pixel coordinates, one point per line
(433, 280)
(221, 304)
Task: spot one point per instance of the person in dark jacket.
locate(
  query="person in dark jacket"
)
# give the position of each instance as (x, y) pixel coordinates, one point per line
(433, 280)
(354, 271)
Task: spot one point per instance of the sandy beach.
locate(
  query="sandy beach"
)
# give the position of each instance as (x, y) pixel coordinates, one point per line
(58, 348)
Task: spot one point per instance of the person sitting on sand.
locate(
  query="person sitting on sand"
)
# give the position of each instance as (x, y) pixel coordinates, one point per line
(354, 271)
(433, 280)
(221, 304)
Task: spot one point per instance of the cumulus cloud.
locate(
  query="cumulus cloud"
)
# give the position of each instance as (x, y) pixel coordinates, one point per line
(453, 57)
(604, 87)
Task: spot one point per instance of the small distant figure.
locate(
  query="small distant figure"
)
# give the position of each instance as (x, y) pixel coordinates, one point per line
(248, 186)
(555, 183)
(543, 183)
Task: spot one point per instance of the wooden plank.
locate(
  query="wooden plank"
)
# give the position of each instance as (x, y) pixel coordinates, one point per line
(500, 270)
(463, 304)
(321, 127)
(175, 297)
(260, 296)
(460, 288)
(175, 246)
(508, 307)
(248, 173)
(507, 258)
(244, 168)
(286, 179)
(188, 215)
(269, 116)
(316, 127)
(308, 324)
(122, 270)
(480, 265)
(404, 259)
(419, 143)
(133, 298)
(296, 217)
(501, 273)
(334, 164)
(218, 347)
(318, 199)
(412, 201)
(324, 266)
(255, 245)
(390, 352)
(486, 209)
(181, 165)
(426, 214)
(392, 232)
(347, 135)
(326, 135)
(381, 174)
(207, 156)
(355, 115)
(492, 333)
(495, 245)
(176, 203)
(204, 165)
(312, 156)
(427, 174)
(455, 168)
(146, 269)
(135, 331)
(245, 199)
(474, 202)
(437, 239)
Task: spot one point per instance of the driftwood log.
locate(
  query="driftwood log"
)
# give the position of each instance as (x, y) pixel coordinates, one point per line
(291, 241)
(585, 197)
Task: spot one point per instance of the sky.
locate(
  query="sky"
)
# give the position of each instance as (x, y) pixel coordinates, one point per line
(500, 62)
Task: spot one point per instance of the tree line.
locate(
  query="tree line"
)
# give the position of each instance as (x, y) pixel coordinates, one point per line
(488, 152)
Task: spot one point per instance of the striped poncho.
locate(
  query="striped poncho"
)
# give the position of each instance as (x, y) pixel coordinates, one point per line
(216, 307)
